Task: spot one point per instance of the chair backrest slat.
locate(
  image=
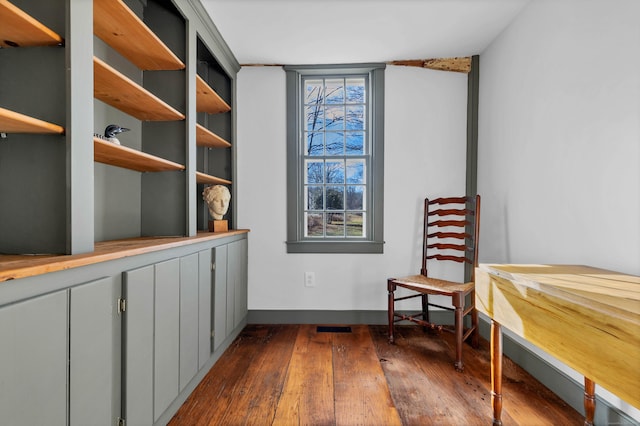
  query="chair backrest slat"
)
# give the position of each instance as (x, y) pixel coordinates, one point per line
(459, 259)
(449, 200)
(457, 219)
(447, 212)
(443, 246)
(461, 223)
(458, 235)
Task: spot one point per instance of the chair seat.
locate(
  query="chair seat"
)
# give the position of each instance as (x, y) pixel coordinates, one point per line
(427, 284)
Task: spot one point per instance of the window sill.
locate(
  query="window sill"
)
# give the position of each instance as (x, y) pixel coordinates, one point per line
(372, 247)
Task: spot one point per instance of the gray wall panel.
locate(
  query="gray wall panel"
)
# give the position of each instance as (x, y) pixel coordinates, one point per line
(32, 166)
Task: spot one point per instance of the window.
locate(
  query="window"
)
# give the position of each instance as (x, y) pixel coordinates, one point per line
(335, 127)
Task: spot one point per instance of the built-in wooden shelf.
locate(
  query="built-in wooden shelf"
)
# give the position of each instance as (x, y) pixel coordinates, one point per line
(21, 266)
(121, 156)
(14, 122)
(205, 137)
(114, 88)
(207, 100)
(205, 178)
(120, 28)
(19, 29)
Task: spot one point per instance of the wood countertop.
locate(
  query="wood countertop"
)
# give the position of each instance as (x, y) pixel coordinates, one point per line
(22, 266)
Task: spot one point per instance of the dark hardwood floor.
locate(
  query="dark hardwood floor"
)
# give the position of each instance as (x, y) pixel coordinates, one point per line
(295, 375)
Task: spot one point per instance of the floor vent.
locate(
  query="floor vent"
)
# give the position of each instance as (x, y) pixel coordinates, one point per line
(327, 329)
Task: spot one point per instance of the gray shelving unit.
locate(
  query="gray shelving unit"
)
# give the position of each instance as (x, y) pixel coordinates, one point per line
(215, 127)
(62, 189)
(33, 164)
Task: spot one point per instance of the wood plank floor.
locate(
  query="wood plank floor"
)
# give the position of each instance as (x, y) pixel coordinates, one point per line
(295, 375)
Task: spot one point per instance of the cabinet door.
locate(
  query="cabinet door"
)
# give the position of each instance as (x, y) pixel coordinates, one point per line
(237, 280)
(167, 335)
(94, 377)
(204, 307)
(189, 288)
(220, 296)
(231, 288)
(138, 346)
(33, 361)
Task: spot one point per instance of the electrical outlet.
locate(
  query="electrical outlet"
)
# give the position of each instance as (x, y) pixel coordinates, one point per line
(309, 279)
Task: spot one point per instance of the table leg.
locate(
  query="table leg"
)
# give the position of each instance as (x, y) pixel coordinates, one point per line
(496, 372)
(589, 401)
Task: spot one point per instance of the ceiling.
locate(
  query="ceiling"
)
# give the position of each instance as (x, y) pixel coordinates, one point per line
(358, 31)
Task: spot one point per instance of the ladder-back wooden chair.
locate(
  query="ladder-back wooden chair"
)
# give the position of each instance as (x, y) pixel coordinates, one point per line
(451, 230)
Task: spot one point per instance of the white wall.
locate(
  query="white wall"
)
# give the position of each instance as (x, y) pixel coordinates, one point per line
(559, 136)
(559, 139)
(425, 140)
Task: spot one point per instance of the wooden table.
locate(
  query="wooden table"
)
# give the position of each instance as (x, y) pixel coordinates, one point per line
(588, 318)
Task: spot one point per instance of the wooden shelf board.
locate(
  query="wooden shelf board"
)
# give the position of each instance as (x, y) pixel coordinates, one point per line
(120, 28)
(205, 178)
(117, 90)
(19, 29)
(207, 100)
(121, 156)
(21, 266)
(205, 137)
(14, 122)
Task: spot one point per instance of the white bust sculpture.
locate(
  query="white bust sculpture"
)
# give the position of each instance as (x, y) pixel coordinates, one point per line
(217, 198)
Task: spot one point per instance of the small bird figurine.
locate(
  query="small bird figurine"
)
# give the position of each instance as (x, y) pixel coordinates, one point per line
(112, 130)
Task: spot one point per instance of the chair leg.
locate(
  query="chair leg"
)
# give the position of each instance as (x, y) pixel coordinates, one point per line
(474, 322)
(391, 288)
(425, 310)
(458, 303)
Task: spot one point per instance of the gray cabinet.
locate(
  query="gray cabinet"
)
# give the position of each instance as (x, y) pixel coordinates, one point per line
(195, 314)
(152, 335)
(237, 279)
(94, 361)
(89, 345)
(189, 296)
(138, 289)
(220, 313)
(167, 329)
(59, 350)
(230, 289)
(204, 308)
(166, 349)
(33, 361)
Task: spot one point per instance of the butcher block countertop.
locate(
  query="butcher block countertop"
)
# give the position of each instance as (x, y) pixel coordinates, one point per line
(22, 266)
